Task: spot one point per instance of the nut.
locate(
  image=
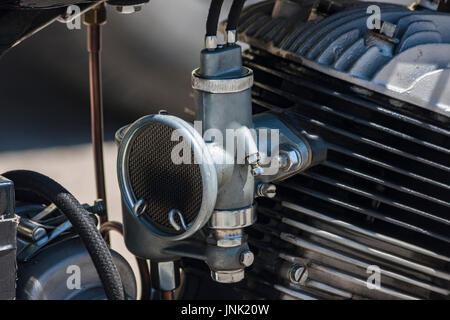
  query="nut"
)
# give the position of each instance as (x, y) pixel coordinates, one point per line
(229, 242)
(289, 158)
(228, 276)
(95, 16)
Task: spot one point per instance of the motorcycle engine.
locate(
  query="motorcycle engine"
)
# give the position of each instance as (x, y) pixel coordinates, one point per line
(378, 203)
(318, 167)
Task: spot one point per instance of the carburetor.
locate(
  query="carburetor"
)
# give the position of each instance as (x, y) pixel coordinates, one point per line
(189, 189)
(222, 91)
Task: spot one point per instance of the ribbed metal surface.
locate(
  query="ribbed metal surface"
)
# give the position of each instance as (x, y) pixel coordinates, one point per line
(382, 197)
(340, 44)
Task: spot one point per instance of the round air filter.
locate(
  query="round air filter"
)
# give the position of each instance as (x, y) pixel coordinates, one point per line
(167, 177)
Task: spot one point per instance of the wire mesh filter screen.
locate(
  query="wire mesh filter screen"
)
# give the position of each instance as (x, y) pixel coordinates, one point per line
(162, 184)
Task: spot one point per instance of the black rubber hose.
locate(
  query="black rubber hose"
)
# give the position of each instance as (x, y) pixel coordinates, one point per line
(49, 189)
(235, 13)
(212, 22)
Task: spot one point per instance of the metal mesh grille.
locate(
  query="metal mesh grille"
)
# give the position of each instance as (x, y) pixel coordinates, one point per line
(163, 184)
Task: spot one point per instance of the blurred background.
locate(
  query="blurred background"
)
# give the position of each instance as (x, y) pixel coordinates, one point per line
(147, 56)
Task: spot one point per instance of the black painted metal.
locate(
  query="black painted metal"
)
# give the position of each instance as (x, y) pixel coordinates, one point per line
(8, 245)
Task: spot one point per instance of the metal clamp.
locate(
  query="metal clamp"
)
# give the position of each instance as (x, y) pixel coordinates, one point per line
(139, 207)
(231, 85)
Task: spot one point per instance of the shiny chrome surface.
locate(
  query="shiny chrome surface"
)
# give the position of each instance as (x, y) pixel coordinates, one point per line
(228, 276)
(224, 219)
(222, 85)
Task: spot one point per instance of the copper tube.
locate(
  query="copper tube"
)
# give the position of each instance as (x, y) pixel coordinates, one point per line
(167, 295)
(144, 271)
(111, 226)
(94, 19)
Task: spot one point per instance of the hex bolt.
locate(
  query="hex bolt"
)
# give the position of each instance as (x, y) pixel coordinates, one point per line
(289, 158)
(247, 257)
(267, 190)
(295, 273)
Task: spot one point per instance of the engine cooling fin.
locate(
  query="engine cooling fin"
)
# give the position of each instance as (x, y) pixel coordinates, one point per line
(381, 199)
(338, 42)
(380, 202)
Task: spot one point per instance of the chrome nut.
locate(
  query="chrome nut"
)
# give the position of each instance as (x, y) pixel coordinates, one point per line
(230, 242)
(228, 276)
(289, 158)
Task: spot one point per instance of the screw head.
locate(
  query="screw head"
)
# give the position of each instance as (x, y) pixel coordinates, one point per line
(247, 258)
(267, 190)
(295, 273)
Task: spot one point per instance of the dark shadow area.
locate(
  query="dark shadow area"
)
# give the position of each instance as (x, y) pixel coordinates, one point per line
(44, 93)
(147, 58)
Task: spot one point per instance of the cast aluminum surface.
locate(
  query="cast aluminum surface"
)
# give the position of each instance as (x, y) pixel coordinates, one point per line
(413, 67)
